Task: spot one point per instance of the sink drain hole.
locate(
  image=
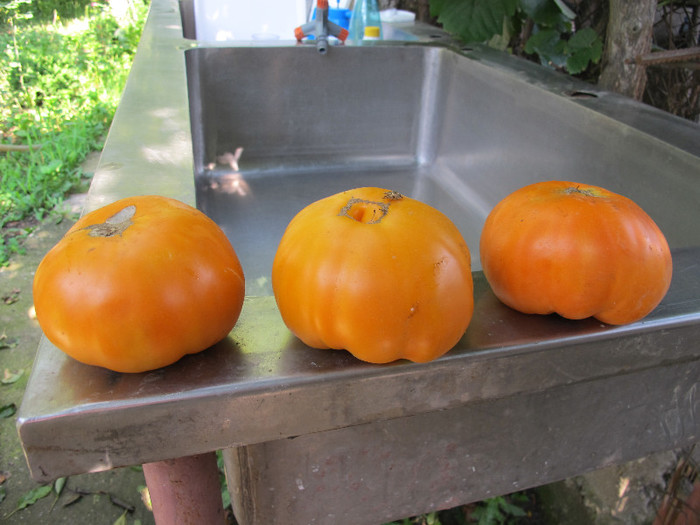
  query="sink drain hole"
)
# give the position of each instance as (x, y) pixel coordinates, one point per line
(582, 94)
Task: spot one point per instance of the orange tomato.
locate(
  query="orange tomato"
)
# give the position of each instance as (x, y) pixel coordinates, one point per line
(381, 275)
(137, 284)
(577, 250)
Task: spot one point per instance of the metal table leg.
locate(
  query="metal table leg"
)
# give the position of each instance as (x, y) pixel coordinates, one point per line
(185, 491)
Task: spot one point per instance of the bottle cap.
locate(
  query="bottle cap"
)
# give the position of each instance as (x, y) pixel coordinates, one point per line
(371, 32)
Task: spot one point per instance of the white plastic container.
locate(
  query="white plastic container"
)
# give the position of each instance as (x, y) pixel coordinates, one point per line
(223, 20)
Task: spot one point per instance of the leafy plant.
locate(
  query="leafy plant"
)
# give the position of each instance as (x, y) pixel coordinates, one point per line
(473, 20)
(545, 29)
(58, 92)
(496, 511)
(225, 494)
(15, 10)
(431, 518)
(43, 10)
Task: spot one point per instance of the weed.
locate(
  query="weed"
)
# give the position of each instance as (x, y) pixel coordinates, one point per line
(60, 84)
(498, 510)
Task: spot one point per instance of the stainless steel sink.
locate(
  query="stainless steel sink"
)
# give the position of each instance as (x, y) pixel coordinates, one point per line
(252, 134)
(440, 125)
(458, 129)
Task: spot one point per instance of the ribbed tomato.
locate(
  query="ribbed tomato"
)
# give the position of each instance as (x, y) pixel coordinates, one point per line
(376, 273)
(577, 250)
(137, 284)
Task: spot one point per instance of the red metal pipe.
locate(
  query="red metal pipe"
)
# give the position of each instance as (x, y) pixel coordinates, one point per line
(185, 491)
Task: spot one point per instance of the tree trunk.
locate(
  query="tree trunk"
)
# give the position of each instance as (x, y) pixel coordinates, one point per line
(628, 36)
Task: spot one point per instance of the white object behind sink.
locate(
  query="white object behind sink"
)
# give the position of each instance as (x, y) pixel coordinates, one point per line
(224, 20)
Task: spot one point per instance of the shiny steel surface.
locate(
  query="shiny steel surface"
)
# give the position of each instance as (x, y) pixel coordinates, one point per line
(383, 471)
(452, 131)
(262, 384)
(457, 129)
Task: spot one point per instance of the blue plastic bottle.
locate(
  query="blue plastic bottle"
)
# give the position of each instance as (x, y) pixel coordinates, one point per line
(364, 14)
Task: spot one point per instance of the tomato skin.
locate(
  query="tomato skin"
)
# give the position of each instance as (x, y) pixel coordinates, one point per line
(384, 286)
(169, 284)
(576, 250)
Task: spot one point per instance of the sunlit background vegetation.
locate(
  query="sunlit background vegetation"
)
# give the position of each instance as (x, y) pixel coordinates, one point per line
(64, 66)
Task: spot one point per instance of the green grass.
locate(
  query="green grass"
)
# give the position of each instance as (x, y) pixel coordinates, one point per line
(60, 83)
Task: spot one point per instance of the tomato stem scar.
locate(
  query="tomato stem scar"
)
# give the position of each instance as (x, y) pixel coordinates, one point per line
(393, 195)
(367, 211)
(114, 225)
(577, 189)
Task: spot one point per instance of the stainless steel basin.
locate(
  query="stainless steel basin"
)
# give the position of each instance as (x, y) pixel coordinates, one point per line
(431, 122)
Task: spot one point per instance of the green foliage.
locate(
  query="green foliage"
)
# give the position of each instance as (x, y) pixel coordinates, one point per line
(500, 510)
(225, 494)
(431, 518)
(59, 87)
(542, 28)
(583, 48)
(473, 20)
(497, 511)
(43, 10)
(14, 10)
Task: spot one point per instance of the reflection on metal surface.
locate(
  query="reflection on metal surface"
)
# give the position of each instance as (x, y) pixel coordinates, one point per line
(230, 158)
(225, 180)
(231, 183)
(454, 132)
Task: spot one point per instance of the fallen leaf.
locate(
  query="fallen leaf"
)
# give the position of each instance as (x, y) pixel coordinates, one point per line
(11, 297)
(58, 485)
(74, 497)
(8, 410)
(31, 497)
(146, 497)
(121, 520)
(57, 488)
(4, 476)
(11, 377)
(7, 342)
